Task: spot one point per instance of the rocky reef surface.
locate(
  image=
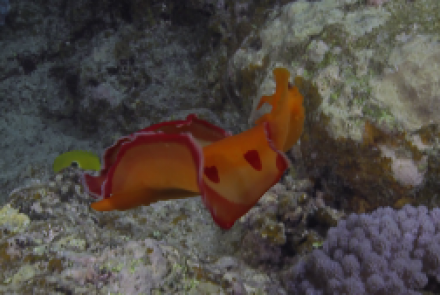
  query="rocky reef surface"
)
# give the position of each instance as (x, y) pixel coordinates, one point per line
(52, 242)
(78, 75)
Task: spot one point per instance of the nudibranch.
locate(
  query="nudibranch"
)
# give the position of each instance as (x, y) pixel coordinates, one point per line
(191, 157)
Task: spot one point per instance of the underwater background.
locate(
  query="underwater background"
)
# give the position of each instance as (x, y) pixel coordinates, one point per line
(356, 212)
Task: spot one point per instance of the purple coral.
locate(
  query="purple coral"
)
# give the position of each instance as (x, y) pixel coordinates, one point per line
(385, 252)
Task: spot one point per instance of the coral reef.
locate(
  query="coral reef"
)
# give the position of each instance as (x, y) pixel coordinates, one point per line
(82, 73)
(52, 240)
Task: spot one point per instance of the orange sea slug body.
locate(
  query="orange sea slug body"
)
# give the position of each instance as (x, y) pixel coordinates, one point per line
(181, 159)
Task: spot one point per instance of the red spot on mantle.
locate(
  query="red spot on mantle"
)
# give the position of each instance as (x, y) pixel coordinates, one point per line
(253, 159)
(282, 164)
(212, 174)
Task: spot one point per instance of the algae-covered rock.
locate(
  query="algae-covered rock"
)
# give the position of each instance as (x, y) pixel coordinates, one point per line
(59, 243)
(369, 76)
(409, 88)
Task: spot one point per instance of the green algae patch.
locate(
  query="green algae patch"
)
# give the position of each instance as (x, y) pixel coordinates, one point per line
(84, 159)
(12, 220)
(71, 243)
(25, 273)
